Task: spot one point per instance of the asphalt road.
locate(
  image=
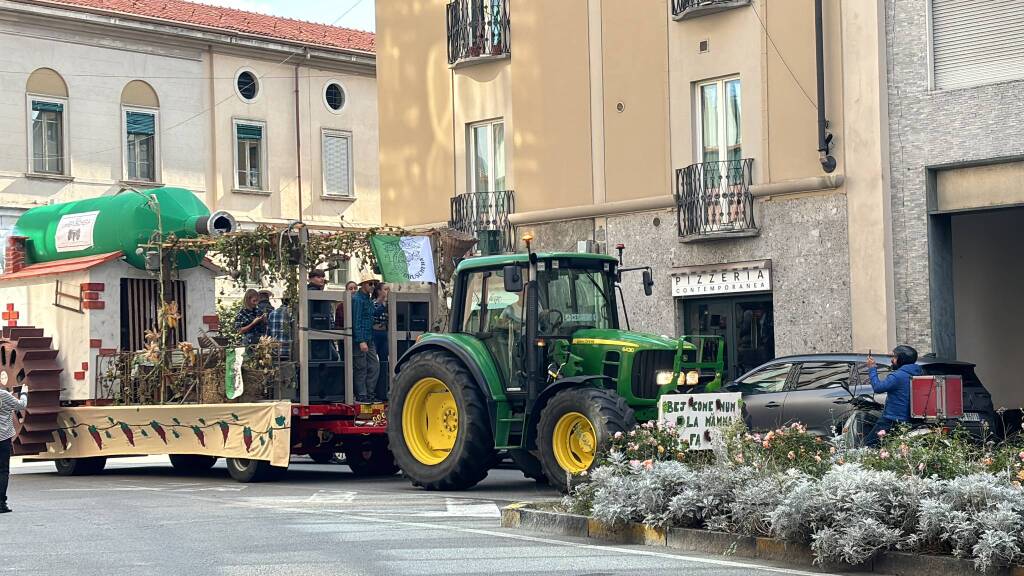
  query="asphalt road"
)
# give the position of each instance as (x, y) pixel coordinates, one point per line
(141, 517)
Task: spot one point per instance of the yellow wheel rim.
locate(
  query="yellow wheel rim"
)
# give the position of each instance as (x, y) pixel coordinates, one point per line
(574, 442)
(430, 421)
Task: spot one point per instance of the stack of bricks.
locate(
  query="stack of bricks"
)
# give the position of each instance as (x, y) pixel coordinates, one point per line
(14, 254)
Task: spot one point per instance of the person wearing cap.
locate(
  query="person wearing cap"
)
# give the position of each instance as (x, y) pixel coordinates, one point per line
(366, 365)
(264, 306)
(9, 403)
(317, 280)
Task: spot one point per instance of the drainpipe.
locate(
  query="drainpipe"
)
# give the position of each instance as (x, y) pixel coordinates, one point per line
(298, 141)
(828, 163)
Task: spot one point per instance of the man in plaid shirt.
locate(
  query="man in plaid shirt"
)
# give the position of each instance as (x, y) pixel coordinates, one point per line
(8, 405)
(279, 328)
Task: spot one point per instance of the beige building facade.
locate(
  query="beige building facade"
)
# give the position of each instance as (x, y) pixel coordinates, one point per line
(269, 122)
(687, 131)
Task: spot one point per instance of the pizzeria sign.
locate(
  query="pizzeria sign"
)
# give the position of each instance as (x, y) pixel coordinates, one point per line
(724, 279)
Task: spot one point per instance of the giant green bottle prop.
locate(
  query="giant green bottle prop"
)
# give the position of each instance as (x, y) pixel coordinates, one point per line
(119, 222)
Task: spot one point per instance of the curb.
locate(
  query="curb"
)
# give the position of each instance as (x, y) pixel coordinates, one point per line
(521, 517)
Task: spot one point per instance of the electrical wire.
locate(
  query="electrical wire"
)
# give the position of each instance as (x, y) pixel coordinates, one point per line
(781, 57)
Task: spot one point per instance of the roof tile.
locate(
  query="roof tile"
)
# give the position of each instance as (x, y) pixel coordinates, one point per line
(231, 19)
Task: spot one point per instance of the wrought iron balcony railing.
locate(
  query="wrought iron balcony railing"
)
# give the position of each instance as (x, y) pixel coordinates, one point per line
(713, 198)
(477, 29)
(485, 216)
(686, 9)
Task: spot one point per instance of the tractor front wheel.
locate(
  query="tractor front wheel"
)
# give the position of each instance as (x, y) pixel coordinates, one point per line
(574, 426)
(438, 427)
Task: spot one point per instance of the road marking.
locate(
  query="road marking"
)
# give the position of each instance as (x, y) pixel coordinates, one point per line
(522, 537)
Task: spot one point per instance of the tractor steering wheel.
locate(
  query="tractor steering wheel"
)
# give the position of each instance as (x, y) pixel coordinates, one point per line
(550, 321)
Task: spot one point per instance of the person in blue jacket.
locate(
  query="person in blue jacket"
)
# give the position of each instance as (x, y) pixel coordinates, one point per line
(896, 386)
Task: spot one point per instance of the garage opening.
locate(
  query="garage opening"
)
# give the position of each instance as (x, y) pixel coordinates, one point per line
(988, 278)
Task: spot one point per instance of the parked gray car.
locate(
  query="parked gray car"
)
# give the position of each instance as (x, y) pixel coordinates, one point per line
(810, 389)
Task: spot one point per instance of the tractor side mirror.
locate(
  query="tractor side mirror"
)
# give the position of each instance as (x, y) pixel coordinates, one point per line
(513, 279)
(648, 283)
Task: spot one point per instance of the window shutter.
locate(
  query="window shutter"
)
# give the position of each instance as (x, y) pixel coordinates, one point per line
(140, 123)
(249, 131)
(337, 162)
(38, 106)
(977, 42)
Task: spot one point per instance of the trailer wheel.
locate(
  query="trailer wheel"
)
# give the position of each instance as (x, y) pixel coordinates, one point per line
(574, 426)
(192, 462)
(244, 470)
(371, 460)
(529, 465)
(322, 457)
(438, 426)
(80, 466)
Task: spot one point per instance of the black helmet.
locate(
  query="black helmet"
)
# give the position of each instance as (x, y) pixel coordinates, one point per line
(904, 355)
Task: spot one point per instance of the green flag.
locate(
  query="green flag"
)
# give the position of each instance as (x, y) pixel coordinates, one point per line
(233, 376)
(404, 258)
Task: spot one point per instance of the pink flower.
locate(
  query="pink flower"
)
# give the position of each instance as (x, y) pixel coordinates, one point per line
(920, 467)
(634, 463)
(832, 450)
(584, 473)
(648, 465)
(881, 433)
(883, 454)
(791, 455)
(904, 449)
(1021, 455)
(618, 435)
(817, 458)
(766, 444)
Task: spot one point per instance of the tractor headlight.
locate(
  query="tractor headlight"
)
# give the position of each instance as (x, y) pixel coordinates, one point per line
(692, 378)
(663, 377)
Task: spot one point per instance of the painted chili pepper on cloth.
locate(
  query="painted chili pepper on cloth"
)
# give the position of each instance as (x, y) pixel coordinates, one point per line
(224, 430)
(200, 435)
(247, 437)
(63, 439)
(96, 436)
(159, 430)
(128, 433)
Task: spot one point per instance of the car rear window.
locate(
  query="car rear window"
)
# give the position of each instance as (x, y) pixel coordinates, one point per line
(965, 372)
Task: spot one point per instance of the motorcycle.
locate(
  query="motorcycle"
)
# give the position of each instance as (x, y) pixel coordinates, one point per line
(866, 411)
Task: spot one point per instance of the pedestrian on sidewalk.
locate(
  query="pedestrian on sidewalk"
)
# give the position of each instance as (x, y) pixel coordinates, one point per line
(896, 387)
(8, 405)
(366, 364)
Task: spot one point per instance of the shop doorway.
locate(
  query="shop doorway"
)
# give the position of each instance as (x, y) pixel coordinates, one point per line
(746, 323)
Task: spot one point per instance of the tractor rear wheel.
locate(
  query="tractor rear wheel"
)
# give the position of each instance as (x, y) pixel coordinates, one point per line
(438, 426)
(574, 426)
(80, 466)
(192, 462)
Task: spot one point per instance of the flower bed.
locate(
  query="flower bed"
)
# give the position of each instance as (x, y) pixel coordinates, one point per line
(925, 493)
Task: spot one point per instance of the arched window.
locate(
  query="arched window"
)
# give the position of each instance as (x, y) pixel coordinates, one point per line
(47, 101)
(140, 115)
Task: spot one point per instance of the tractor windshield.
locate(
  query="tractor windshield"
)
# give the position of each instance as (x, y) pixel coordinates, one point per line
(572, 299)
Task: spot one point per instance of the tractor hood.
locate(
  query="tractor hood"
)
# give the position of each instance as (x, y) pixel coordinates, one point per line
(629, 341)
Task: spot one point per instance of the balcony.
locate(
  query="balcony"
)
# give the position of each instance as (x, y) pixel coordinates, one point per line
(477, 31)
(686, 9)
(484, 215)
(713, 200)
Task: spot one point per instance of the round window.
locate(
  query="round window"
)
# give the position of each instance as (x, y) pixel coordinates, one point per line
(247, 85)
(334, 95)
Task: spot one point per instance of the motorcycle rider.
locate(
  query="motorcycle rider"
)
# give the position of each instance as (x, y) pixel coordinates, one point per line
(896, 386)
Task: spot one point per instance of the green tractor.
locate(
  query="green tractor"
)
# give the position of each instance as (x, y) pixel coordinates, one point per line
(535, 364)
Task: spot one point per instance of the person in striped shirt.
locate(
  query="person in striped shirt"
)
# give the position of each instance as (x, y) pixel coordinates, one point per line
(8, 405)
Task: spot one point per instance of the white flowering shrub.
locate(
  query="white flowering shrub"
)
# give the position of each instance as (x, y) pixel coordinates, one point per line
(848, 505)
